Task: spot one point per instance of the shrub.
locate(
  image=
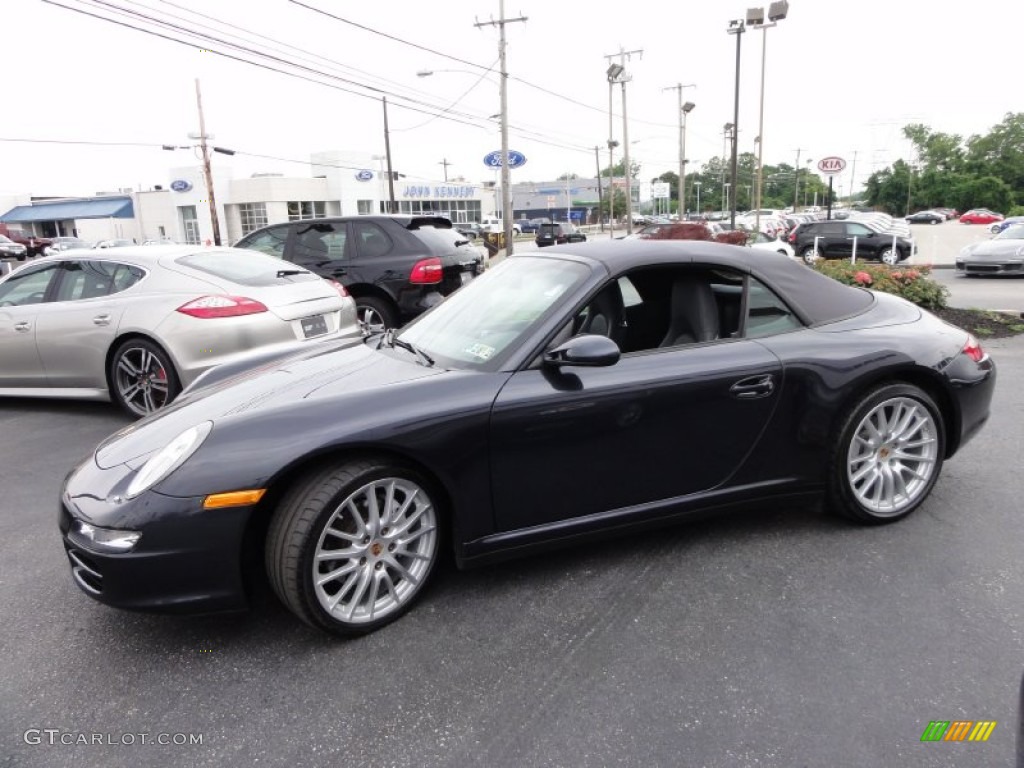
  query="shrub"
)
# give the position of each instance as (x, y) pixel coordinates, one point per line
(1017, 210)
(912, 283)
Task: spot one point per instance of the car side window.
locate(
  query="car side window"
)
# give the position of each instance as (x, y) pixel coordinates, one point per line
(373, 241)
(319, 242)
(857, 230)
(93, 279)
(270, 242)
(27, 287)
(767, 314)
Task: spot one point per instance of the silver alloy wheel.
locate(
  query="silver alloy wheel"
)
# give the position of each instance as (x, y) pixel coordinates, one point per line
(810, 255)
(375, 551)
(371, 320)
(893, 456)
(890, 256)
(141, 380)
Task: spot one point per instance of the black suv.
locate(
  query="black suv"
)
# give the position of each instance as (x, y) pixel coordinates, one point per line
(835, 241)
(557, 233)
(395, 267)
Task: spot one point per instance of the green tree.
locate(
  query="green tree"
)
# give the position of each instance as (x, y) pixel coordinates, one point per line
(619, 169)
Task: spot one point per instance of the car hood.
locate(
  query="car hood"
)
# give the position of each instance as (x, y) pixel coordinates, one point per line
(996, 249)
(327, 375)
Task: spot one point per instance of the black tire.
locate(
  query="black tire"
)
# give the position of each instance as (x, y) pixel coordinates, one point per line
(141, 377)
(850, 477)
(318, 511)
(375, 314)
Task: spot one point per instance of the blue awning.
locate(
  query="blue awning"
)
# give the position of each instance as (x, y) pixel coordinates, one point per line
(65, 210)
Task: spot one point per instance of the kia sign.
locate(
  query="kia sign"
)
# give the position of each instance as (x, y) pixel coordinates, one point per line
(181, 185)
(515, 159)
(831, 166)
(364, 175)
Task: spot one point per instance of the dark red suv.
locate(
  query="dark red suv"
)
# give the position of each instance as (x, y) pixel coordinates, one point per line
(395, 267)
(34, 245)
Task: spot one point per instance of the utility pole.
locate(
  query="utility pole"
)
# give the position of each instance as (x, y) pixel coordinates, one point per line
(737, 28)
(207, 172)
(624, 56)
(445, 163)
(387, 154)
(506, 192)
(853, 173)
(600, 196)
(681, 114)
(796, 180)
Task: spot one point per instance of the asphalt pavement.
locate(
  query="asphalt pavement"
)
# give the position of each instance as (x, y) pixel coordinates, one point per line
(778, 637)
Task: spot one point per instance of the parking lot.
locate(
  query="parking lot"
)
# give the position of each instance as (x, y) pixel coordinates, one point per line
(773, 637)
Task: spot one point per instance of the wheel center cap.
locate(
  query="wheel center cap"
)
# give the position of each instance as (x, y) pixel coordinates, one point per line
(884, 452)
(376, 548)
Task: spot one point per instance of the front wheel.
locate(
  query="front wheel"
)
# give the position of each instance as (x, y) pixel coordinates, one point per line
(141, 377)
(887, 455)
(890, 256)
(351, 548)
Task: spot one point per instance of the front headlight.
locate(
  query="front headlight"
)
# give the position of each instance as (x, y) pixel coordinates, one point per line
(168, 458)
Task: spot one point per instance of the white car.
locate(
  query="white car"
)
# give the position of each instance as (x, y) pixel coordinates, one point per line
(491, 224)
(761, 242)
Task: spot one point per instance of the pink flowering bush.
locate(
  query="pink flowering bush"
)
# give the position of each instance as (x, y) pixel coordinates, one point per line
(912, 283)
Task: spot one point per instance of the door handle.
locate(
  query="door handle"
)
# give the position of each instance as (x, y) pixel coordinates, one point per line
(23, 326)
(753, 387)
(101, 320)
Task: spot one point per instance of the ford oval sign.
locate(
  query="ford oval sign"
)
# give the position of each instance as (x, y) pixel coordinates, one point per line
(181, 185)
(515, 159)
(364, 175)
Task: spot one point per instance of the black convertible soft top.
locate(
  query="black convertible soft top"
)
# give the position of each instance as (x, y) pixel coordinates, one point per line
(818, 299)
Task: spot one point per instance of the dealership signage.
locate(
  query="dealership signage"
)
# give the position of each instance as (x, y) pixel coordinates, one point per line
(831, 166)
(181, 185)
(515, 159)
(459, 191)
(364, 175)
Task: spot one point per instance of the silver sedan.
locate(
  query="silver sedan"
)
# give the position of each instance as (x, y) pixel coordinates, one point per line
(138, 324)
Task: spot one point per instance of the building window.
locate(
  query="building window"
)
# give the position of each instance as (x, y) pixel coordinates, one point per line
(253, 216)
(190, 224)
(366, 207)
(306, 209)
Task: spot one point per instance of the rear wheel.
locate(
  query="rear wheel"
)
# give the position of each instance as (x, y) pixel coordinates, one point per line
(351, 548)
(375, 315)
(810, 255)
(887, 456)
(890, 256)
(142, 378)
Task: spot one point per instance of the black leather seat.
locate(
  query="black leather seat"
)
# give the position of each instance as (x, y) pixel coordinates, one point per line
(606, 315)
(693, 312)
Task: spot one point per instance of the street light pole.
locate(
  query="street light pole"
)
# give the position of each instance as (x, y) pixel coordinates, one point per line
(755, 16)
(736, 27)
(600, 194)
(684, 109)
(696, 185)
(617, 73)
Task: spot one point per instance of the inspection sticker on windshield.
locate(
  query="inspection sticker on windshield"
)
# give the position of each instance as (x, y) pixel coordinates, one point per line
(481, 351)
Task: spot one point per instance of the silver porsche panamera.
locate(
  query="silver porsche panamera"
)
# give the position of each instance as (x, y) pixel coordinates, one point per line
(136, 325)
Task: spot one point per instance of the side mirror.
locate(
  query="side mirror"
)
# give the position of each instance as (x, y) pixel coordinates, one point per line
(588, 350)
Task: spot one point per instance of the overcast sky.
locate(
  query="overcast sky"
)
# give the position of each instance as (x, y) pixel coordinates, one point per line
(842, 77)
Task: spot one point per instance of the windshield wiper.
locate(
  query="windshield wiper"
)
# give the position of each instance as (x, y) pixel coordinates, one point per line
(389, 339)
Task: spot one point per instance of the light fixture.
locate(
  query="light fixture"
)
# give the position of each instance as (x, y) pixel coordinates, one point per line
(755, 16)
(615, 72)
(778, 10)
(688, 107)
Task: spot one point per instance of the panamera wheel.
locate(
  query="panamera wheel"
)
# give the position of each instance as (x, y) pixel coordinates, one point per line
(351, 548)
(142, 377)
(888, 456)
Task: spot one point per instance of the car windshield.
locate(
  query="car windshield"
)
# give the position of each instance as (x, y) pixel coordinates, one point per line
(480, 325)
(5, 239)
(1016, 232)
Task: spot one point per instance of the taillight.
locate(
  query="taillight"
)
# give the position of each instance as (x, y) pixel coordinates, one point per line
(973, 349)
(792, 237)
(221, 305)
(426, 271)
(339, 288)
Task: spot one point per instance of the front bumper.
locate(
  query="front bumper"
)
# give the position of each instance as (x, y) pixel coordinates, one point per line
(1008, 267)
(188, 559)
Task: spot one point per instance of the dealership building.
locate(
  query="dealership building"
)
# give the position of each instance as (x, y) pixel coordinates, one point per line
(339, 184)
